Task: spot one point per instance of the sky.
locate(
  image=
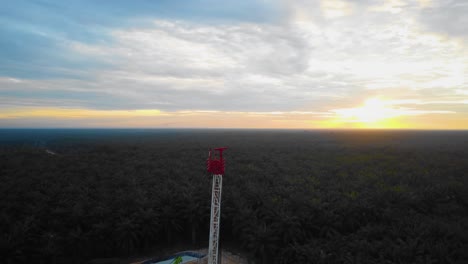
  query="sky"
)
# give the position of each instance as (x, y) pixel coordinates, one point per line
(398, 64)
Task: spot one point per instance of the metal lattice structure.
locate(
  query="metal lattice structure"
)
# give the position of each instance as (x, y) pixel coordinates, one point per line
(216, 168)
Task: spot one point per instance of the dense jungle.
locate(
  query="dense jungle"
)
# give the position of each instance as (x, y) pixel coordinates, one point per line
(325, 196)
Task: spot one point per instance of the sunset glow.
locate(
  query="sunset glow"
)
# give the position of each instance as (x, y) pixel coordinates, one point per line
(372, 111)
(300, 64)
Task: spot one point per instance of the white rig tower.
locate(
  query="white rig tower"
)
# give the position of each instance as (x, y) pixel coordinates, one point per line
(216, 168)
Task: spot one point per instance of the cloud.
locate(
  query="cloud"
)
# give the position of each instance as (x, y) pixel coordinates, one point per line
(201, 66)
(315, 57)
(36, 34)
(179, 65)
(292, 66)
(447, 17)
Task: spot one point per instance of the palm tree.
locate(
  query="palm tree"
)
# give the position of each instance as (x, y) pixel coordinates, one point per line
(287, 226)
(196, 209)
(261, 241)
(127, 235)
(170, 221)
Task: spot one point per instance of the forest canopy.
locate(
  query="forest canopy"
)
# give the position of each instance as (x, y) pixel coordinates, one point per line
(288, 196)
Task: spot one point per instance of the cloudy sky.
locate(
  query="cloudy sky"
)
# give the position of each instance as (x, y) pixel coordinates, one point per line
(239, 64)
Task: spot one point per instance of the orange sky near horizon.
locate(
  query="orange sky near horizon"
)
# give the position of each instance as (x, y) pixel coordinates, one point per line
(374, 113)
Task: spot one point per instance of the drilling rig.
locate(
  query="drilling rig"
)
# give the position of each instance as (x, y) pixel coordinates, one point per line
(215, 166)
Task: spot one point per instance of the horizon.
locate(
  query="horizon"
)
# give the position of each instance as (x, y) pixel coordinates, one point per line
(200, 64)
(236, 128)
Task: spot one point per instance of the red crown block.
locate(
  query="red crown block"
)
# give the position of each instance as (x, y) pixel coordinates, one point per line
(213, 165)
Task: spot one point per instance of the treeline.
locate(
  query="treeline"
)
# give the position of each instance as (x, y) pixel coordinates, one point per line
(288, 197)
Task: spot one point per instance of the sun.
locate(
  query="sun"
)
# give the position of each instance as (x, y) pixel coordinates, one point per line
(374, 113)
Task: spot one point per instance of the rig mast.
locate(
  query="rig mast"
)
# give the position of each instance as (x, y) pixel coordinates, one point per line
(216, 168)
